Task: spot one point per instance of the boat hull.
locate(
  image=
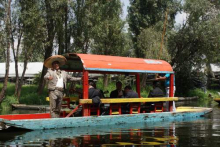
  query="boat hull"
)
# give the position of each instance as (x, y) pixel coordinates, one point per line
(182, 113)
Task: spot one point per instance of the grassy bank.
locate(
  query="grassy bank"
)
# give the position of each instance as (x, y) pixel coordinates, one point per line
(28, 96)
(205, 98)
(203, 95)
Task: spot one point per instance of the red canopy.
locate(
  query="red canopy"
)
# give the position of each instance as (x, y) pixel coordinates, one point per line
(105, 63)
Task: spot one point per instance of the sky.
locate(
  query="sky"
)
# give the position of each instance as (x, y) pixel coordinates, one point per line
(125, 4)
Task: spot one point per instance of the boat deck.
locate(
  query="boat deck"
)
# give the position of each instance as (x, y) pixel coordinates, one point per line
(191, 109)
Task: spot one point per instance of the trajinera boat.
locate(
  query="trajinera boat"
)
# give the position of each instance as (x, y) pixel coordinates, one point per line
(87, 64)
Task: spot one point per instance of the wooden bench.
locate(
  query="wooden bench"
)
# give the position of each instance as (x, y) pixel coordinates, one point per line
(134, 102)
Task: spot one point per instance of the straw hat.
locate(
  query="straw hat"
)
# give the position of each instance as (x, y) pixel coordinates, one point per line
(61, 59)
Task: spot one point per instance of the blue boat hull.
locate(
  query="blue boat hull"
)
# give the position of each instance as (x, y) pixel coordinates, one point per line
(74, 122)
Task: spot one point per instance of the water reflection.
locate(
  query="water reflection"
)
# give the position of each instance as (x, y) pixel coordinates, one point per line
(152, 134)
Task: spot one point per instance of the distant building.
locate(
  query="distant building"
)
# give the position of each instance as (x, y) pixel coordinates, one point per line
(215, 70)
(33, 68)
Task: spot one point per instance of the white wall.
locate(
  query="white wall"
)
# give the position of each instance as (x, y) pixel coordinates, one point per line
(33, 68)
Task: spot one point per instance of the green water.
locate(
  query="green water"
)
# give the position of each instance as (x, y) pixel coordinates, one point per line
(196, 132)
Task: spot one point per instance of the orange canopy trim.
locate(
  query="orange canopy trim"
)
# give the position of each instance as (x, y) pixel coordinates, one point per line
(104, 63)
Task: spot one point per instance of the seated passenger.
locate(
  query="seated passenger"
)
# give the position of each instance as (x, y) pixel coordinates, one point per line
(118, 92)
(129, 93)
(156, 92)
(94, 93)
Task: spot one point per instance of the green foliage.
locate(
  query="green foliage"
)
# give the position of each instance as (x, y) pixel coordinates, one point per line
(2, 32)
(28, 96)
(203, 95)
(98, 28)
(107, 31)
(149, 41)
(37, 78)
(195, 43)
(144, 14)
(205, 99)
(34, 32)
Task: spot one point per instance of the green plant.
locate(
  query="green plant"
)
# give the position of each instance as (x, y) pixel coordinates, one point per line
(37, 78)
(28, 95)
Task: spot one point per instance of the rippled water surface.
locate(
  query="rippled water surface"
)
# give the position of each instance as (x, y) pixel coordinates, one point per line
(197, 132)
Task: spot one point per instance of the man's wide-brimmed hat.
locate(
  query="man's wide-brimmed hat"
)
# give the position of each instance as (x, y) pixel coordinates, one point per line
(61, 59)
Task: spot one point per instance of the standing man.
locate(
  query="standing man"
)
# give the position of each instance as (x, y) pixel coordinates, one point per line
(56, 82)
(166, 78)
(167, 87)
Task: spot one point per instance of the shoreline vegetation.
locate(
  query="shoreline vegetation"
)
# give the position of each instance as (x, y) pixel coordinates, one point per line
(30, 96)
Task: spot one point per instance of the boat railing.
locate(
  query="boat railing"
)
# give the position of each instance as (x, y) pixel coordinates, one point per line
(134, 104)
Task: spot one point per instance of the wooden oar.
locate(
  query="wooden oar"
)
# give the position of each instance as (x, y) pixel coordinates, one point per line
(73, 111)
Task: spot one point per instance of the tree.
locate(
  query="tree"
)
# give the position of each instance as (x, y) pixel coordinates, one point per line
(149, 41)
(79, 26)
(144, 14)
(51, 17)
(16, 34)
(7, 35)
(107, 29)
(32, 39)
(108, 38)
(196, 42)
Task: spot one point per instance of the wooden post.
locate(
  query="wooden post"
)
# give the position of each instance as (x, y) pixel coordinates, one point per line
(138, 85)
(85, 92)
(138, 89)
(171, 91)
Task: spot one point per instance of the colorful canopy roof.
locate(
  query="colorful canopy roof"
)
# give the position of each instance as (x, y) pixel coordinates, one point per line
(104, 63)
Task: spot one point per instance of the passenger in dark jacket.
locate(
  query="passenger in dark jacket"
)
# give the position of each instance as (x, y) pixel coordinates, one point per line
(129, 93)
(118, 92)
(94, 93)
(156, 92)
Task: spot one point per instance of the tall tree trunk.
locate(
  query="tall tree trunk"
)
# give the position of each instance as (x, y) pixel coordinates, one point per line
(22, 79)
(105, 82)
(41, 85)
(143, 80)
(50, 22)
(66, 33)
(16, 54)
(8, 30)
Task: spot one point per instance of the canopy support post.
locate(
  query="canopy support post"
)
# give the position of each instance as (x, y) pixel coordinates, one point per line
(171, 91)
(138, 85)
(85, 92)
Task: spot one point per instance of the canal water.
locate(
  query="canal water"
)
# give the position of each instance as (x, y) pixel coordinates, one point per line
(186, 133)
